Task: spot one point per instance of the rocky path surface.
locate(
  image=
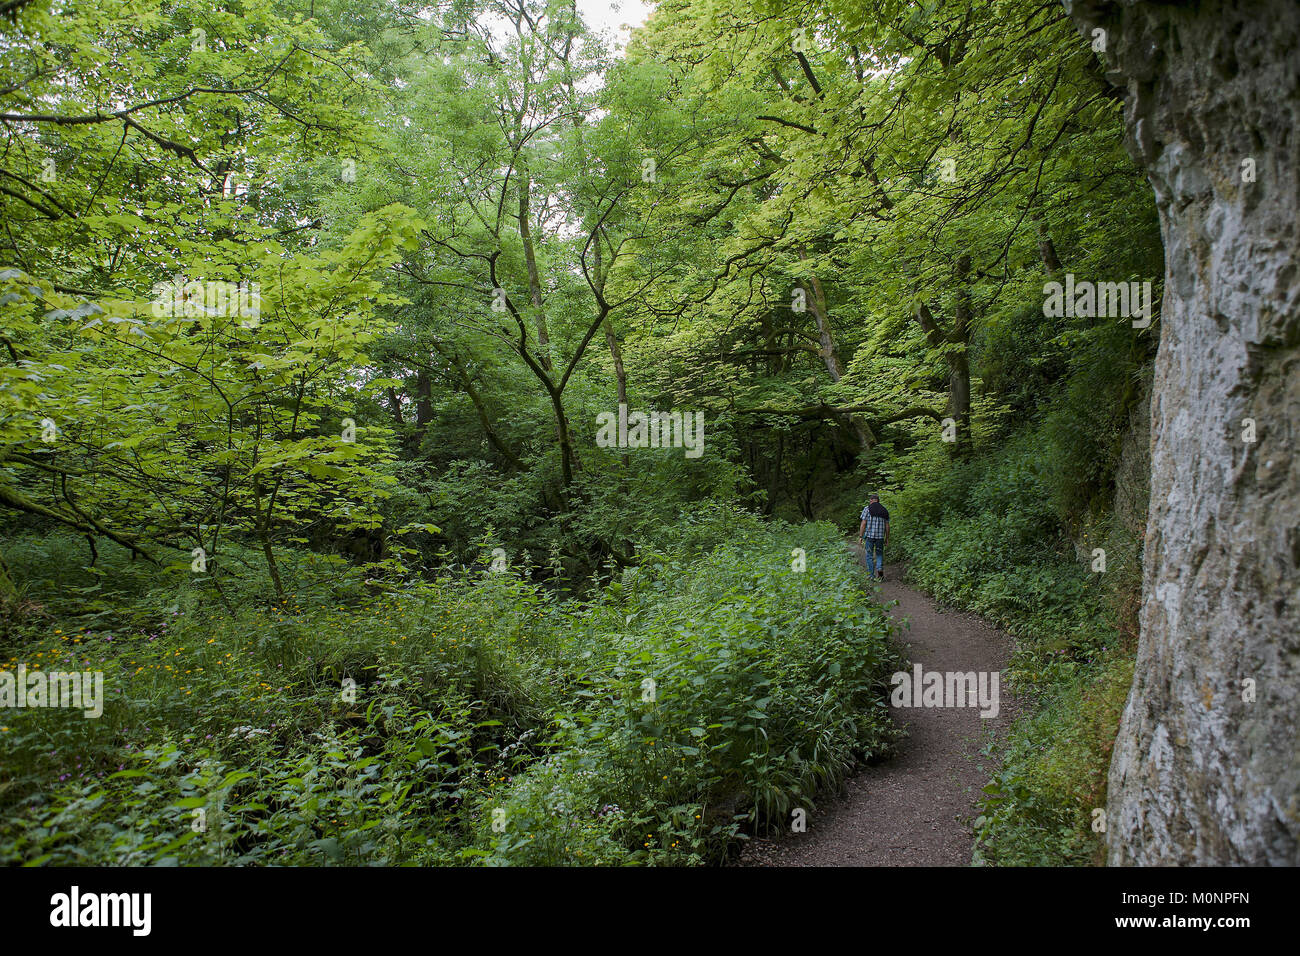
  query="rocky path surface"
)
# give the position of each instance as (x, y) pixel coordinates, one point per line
(915, 809)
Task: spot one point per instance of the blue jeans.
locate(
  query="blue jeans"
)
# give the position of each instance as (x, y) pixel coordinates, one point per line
(873, 553)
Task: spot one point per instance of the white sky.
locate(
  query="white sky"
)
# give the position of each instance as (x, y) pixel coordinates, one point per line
(609, 16)
(613, 19)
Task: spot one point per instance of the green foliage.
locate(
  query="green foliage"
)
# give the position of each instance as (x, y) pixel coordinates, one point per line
(739, 690)
(1038, 809)
(476, 694)
(467, 243)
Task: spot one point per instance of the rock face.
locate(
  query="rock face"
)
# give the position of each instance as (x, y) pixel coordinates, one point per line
(1202, 773)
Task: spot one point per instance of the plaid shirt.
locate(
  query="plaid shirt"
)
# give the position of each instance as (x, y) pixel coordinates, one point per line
(875, 527)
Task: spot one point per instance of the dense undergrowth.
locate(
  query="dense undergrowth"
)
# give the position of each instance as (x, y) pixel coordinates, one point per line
(652, 720)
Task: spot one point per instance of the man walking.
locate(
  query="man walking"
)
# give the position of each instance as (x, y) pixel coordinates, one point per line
(874, 532)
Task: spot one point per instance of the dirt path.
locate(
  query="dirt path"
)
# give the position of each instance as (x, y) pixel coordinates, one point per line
(913, 810)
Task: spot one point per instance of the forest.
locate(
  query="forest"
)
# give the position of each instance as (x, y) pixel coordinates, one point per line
(444, 428)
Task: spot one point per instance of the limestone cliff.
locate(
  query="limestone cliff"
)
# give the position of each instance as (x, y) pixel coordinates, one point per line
(1202, 773)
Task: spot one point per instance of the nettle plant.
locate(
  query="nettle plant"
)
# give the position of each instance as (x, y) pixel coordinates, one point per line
(182, 427)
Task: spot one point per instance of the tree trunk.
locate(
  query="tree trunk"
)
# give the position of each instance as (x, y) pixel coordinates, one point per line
(565, 440)
(423, 401)
(957, 357)
(616, 353)
(1206, 769)
(395, 405)
(620, 373)
(8, 590)
(959, 360)
(825, 341)
(774, 482)
(480, 408)
(534, 277)
(263, 519)
(611, 340)
(816, 293)
(1047, 250)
